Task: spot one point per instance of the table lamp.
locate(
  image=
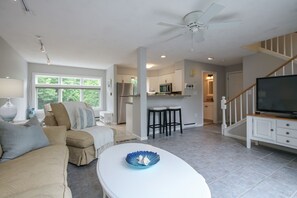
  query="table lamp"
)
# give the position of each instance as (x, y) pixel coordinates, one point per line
(10, 88)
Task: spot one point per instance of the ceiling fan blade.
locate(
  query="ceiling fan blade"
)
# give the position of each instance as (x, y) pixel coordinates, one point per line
(171, 25)
(174, 37)
(224, 24)
(210, 12)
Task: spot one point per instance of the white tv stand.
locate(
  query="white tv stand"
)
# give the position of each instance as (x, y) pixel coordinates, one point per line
(271, 129)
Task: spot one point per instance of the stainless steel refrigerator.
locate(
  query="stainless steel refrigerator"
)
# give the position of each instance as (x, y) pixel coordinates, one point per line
(123, 91)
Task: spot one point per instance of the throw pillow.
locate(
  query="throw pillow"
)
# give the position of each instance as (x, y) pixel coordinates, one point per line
(17, 140)
(85, 117)
(61, 115)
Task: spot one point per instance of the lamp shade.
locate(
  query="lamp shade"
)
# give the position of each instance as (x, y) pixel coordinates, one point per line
(11, 88)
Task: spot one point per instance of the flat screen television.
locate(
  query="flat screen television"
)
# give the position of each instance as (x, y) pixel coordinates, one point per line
(277, 94)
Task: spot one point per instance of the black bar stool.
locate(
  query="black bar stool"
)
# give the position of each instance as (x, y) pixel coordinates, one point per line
(161, 125)
(174, 123)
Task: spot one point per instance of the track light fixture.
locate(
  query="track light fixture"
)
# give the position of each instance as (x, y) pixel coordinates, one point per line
(43, 50)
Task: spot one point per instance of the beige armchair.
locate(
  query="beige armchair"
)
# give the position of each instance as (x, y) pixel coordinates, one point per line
(80, 143)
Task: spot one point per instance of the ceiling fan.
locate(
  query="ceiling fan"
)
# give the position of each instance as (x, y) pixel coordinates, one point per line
(196, 22)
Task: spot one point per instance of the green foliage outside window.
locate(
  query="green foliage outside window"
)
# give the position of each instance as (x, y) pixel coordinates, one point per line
(70, 81)
(92, 82)
(51, 95)
(45, 96)
(91, 97)
(49, 80)
(70, 95)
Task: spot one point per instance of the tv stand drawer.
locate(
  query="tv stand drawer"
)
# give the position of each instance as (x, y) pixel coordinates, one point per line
(286, 141)
(286, 124)
(287, 132)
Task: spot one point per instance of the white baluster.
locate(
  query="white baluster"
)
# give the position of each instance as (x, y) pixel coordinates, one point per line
(235, 111)
(284, 70)
(247, 101)
(253, 103)
(285, 50)
(230, 112)
(292, 62)
(277, 44)
(223, 107)
(241, 107)
(271, 45)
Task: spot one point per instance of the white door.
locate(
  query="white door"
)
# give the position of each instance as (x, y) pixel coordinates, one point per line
(234, 84)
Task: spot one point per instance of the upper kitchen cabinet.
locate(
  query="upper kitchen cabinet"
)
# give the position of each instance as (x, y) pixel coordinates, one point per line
(153, 84)
(125, 78)
(177, 80)
(168, 78)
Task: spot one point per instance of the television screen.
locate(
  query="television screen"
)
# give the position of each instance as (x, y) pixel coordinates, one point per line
(277, 94)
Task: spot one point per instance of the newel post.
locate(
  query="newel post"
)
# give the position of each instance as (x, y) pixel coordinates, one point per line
(223, 107)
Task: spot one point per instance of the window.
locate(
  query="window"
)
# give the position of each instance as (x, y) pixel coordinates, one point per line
(50, 89)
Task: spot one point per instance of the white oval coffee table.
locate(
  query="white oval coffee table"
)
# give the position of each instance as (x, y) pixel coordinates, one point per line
(171, 177)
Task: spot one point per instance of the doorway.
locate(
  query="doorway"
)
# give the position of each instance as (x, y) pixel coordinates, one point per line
(209, 97)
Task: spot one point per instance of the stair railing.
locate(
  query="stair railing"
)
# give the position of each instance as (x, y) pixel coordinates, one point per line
(237, 108)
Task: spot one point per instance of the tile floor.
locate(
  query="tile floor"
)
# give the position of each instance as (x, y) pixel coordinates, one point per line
(230, 169)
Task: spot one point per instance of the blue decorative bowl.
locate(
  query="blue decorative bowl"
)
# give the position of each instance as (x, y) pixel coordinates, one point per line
(132, 159)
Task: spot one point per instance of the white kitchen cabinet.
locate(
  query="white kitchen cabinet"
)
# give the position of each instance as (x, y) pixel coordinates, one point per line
(272, 129)
(168, 78)
(153, 84)
(177, 81)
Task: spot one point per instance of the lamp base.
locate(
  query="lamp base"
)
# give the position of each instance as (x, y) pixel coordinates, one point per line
(8, 111)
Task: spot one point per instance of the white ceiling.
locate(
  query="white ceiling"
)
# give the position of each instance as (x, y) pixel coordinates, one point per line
(100, 33)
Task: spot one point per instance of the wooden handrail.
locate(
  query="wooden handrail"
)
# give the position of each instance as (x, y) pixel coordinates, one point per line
(287, 62)
(284, 64)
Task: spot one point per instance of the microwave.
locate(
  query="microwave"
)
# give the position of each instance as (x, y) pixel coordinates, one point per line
(166, 88)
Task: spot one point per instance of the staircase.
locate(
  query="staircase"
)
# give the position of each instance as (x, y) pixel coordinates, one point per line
(237, 108)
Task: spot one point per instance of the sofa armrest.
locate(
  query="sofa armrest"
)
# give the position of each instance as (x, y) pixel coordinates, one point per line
(56, 134)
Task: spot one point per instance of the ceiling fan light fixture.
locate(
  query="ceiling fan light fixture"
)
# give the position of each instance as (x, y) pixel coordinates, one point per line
(210, 58)
(163, 56)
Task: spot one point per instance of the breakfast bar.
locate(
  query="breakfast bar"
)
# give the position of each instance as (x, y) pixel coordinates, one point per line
(154, 100)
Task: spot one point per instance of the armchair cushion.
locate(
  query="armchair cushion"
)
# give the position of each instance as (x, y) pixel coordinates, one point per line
(61, 115)
(50, 120)
(79, 139)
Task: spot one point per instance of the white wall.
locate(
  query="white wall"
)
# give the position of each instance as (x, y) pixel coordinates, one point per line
(14, 66)
(233, 68)
(194, 108)
(258, 65)
(65, 70)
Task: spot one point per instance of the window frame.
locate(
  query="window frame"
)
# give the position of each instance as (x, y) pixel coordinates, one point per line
(61, 86)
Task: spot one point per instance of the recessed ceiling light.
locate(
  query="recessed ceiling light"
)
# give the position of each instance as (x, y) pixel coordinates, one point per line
(149, 65)
(163, 56)
(210, 58)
